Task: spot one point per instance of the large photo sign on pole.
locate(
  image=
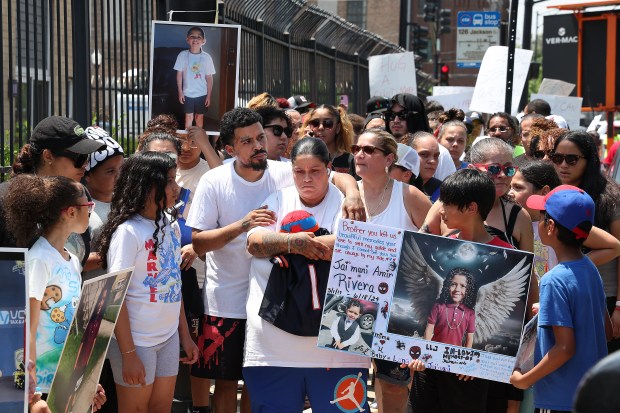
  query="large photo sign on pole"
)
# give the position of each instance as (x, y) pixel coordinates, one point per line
(86, 346)
(459, 306)
(390, 74)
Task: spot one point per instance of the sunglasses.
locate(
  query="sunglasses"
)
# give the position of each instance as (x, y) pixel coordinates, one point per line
(558, 158)
(402, 115)
(78, 159)
(499, 129)
(540, 154)
(495, 169)
(188, 143)
(279, 130)
(327, 123)
(90, 206)
(367, 149)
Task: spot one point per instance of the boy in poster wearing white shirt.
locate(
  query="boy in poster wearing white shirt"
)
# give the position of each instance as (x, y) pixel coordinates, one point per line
(195, 72)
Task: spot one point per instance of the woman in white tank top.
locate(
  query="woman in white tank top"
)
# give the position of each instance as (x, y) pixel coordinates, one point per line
(394, 204)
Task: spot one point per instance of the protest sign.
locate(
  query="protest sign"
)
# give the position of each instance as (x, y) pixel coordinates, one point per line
(473, 330)
(555, 87)
(451, 90)
(391, 74)
(14, 311)
(490, 91)
(460, 100)
(568, 107)
(86, 346)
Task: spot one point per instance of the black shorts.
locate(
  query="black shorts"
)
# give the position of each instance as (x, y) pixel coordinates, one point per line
(436, 391)
(392, 372)
(220, 346)
(192, 301)
(195, 105)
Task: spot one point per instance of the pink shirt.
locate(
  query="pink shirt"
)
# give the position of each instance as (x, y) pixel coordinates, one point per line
(452, 322)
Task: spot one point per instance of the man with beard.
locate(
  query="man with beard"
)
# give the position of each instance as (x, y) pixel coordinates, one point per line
(226, 205)
(407, 115)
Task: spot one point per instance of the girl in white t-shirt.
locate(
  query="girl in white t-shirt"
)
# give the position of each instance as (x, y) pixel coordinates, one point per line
(139, 233)
(42, 212)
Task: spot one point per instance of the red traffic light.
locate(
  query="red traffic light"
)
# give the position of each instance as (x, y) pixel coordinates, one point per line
(445, 69)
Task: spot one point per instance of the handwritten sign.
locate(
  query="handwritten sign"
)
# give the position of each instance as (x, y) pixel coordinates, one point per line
(555, 87)
(490, 91)
(568, 107)
(458, 100)
(391, 74)
(395, 280)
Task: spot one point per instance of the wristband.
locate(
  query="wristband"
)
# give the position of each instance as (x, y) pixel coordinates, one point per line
(129, 352)
(618, 303)
(37, 392)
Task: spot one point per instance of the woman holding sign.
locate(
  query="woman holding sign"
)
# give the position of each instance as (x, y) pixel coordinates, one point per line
(394, 204)
(282, 363)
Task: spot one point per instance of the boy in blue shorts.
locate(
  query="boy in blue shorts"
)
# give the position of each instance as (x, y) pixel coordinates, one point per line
(195, 72)
(573, 324)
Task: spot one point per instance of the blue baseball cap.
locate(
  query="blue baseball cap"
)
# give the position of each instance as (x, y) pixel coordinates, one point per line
(568, 205)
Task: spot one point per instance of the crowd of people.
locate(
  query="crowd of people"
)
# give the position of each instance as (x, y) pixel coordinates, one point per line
(205, 222)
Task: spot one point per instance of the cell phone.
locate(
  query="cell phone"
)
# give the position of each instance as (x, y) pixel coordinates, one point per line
(344, 100)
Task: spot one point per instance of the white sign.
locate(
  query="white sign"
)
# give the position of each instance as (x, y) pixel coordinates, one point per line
(490, 92)
(391, 74)
(458, 100)
(555, 87)
(476, 32)
(568, 107)
(451, 90)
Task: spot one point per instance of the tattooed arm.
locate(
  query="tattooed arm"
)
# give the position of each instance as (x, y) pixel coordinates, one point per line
(265, 244)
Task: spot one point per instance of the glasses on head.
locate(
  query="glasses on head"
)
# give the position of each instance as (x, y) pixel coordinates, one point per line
(402, 115)
(540, 154)
(494, 169)
(78, 159)
(188, 143)
(499, 129)
(278, 130)
(90, 206)
(571, 159)
(327, 123)
(367, 149)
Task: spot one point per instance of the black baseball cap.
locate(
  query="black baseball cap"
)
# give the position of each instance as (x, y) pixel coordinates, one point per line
(58, 133)
(377, 104)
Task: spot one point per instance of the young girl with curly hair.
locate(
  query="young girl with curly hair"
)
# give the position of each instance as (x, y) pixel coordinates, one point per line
(140, 234)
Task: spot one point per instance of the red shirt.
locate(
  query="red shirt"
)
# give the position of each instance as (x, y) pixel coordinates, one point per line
(452, 322)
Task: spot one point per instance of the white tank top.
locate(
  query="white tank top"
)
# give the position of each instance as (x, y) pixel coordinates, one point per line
(395, 215)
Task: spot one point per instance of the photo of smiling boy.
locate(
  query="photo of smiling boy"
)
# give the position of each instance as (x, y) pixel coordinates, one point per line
(345, 329)
(195, 72)
(452, 319)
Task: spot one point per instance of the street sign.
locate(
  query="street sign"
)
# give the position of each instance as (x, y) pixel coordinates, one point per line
(476, 32)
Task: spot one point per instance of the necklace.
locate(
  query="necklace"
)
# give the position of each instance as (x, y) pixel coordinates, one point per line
(378, 207)
(453, 327)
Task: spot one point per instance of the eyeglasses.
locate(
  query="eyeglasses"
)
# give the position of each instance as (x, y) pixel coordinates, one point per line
(500, 129)
(402, 115)
(571, 159)
(188, 143)
(279, 130)
(78, 159)
(327, 123)
(540, 154)
(367, 149)
(494, 169)
(90, 206)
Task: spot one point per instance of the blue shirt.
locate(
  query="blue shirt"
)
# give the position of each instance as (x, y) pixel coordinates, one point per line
(571, 295)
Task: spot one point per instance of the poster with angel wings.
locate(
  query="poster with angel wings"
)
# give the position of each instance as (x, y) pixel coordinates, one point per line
(459, 306)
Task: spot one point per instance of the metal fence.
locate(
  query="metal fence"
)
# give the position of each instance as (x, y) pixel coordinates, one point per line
(89, 59)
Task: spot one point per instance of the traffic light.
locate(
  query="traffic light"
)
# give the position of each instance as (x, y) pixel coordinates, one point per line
(444, 75)
(420, 40)
(430, 10)
(445, 20)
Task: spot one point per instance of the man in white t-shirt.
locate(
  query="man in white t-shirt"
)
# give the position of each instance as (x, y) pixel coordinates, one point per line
(226, 205)
(195, 72)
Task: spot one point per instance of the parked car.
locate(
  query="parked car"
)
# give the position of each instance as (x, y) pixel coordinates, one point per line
(369, 310)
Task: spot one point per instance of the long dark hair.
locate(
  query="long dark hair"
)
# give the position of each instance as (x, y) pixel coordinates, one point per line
(33, 204)
(605, 193)
(140, 173)
(470, 294)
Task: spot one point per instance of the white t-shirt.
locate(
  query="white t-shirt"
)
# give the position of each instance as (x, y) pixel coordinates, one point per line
(154, 295)
(267, 345)
(188, 179)
(195, 67)
(445, 164)
(55, 282)
(544, 255)
(97, 218)
(222, 198)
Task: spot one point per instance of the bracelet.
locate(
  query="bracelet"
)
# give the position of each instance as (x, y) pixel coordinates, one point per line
(37, 392)
(288, 242)
(618, 303)
(129, 352)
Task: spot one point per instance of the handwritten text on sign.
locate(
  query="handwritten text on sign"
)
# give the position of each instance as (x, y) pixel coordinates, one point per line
(391, 74)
